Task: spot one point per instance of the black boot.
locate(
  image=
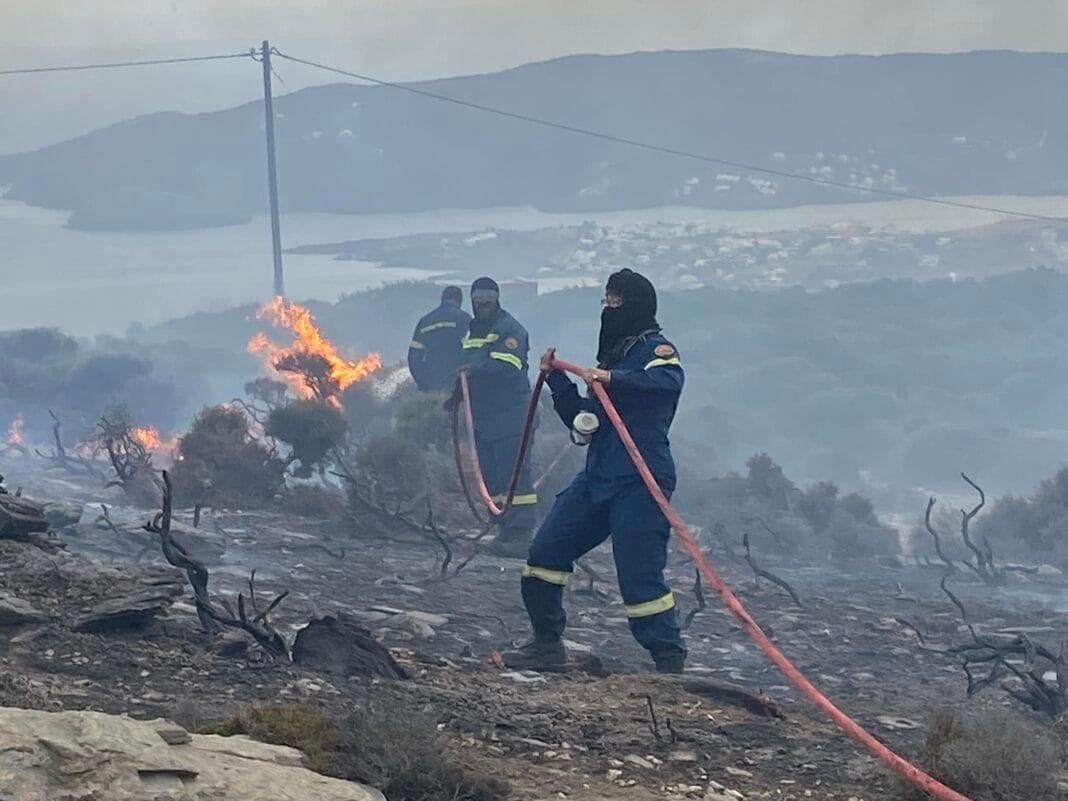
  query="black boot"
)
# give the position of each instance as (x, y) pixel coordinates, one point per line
(670, 661)
(542, 655)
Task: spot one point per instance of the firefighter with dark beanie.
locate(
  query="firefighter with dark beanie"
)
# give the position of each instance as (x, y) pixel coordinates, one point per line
(642, 374)
(494, 356)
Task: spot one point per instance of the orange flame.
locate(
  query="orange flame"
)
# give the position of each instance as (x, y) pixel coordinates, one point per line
(150, 439)
(14, 431)
(309, 340)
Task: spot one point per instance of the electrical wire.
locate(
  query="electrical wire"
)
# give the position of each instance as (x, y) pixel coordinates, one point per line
(623, 140)
(115, 64)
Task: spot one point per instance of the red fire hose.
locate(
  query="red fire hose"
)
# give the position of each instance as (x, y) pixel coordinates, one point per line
(901, 766)
(524, 445)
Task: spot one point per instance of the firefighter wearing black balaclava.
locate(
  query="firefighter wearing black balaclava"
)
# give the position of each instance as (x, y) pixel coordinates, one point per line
(642, 374)
(494, 355)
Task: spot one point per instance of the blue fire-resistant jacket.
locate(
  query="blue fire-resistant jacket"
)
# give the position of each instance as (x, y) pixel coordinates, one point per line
(434, 353)
(500, 387)
(645, 387)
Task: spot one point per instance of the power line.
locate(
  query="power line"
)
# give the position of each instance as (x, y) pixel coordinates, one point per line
(623, 140)
(114, 64)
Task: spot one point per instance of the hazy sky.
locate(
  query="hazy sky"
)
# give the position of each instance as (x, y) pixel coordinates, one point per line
(404, 39)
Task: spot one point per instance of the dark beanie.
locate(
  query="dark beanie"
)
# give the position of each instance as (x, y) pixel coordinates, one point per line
(485, 284)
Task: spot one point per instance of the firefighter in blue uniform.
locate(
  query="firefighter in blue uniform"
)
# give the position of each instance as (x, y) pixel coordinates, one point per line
(434, 354)
(494, 356)
(643, 376)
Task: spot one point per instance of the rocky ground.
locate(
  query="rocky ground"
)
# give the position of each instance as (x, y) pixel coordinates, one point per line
(95, 620)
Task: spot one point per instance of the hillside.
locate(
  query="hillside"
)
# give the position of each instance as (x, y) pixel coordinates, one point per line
(880, 386)
(981, 122)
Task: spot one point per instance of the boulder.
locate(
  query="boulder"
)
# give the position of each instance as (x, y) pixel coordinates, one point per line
(46, 756)
(61, 514)
(20, 517)
(126, 612)
(15, 611)
(343, 647)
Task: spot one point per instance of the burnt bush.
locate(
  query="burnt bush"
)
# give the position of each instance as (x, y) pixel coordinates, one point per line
(390, 473)
(293, 725)
(1035, 527)
(991, 755)
(220, 464)
(42, 368)
(421, 419)
(401, 753)
(310, 500)
(781, 518)
(311, 428)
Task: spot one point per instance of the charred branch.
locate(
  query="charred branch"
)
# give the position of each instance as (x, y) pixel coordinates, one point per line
(213, 615)
(950, 567)
(130, 460)
(699, 596)
(61, 460)
(759, 572)
(984, 565)
(1017, 664)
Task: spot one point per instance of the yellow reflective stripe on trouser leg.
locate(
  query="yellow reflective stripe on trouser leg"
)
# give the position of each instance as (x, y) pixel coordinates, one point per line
(558, 577)
(511, 358)
(518, 500)
(663, 362)
(654, 607)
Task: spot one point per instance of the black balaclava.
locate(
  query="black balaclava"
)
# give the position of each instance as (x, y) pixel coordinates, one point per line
(484, 289)
(635, 316)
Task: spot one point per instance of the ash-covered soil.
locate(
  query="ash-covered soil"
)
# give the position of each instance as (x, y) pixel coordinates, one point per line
(588, 734)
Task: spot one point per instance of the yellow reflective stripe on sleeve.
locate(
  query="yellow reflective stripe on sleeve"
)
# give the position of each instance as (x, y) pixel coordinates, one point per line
(663, 362)
(518, 500)
(655, 607)
(436, 326)
(511, 358)
(478, 342)
(558, 577)
(417, 345)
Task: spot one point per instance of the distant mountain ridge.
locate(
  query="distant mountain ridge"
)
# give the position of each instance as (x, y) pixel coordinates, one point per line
(987, 122)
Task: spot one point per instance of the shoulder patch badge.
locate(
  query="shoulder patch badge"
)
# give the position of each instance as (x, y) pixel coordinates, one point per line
(664, 351)
(511, 343)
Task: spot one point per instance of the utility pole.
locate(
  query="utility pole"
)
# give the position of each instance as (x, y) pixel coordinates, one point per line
(272, 173)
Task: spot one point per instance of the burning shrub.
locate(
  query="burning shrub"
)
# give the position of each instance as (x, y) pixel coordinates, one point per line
(219, 463)
(990, 756)
(311, 364)
(311, 428)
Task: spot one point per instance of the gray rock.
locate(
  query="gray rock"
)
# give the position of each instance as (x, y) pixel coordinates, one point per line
(61, 514)
(51, 755)
(126, 612)
(341, 646)
(15, 611)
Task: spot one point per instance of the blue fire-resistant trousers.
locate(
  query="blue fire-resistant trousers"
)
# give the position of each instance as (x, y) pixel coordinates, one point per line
(583, 516)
